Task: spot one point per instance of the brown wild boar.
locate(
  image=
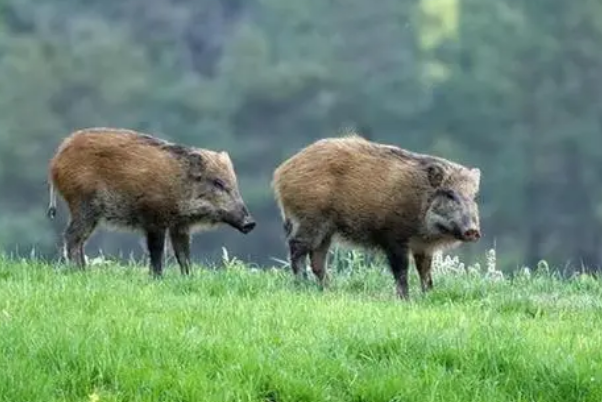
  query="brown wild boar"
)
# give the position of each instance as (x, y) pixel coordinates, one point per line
(378, 197)
(135, 181)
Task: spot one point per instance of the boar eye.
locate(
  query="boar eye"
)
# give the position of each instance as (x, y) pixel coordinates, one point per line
(450, 194)
(219, 184)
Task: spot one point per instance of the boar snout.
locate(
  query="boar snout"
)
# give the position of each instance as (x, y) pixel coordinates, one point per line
(471, 234)
(241, 220)
(248, 225)
(463, 233)
(469, 231)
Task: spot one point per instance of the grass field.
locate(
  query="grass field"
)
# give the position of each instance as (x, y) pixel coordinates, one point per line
(235, 334)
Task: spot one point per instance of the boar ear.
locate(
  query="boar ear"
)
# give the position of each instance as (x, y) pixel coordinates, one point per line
(476, 174)
(435, 174)
(194, 160)
(196, 166)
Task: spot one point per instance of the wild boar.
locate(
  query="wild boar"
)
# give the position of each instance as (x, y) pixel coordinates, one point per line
(378, 197)
(134, 181)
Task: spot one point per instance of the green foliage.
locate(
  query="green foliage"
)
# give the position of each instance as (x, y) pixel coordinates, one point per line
(509, 85)
(114, 334)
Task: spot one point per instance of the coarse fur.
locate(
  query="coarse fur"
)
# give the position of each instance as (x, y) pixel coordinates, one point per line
(378, 197)
(134, 181)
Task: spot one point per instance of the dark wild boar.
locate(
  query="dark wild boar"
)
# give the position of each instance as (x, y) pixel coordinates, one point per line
(134, 181)
(378, 197)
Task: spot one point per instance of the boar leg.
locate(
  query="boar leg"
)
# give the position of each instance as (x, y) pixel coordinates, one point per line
(155, 242)
(302, 241)
(298, 251)
(423, 263)
(399, 260)
(318, 261)
(81, 225)
(180, 241)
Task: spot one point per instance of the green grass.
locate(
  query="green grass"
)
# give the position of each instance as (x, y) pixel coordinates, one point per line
(114, 334)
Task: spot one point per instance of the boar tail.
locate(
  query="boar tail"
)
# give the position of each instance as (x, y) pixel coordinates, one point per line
(51, 212)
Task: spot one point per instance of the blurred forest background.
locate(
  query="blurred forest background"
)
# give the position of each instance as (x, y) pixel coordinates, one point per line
(511, 86)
